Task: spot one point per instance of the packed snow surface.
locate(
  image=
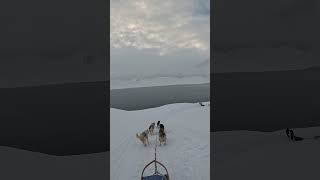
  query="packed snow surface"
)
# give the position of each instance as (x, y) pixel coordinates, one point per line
(20, 164)
(266, 155)
(186, 154)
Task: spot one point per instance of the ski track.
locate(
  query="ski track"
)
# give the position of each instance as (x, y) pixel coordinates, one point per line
(186, 154)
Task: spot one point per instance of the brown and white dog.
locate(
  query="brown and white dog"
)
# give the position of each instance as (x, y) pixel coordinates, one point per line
(143, 137)
(162, 135)
(151, 128)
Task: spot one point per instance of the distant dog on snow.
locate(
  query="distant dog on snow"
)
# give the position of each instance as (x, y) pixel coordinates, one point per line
(162, 135)
(151, 128)
(158, 123)
(288, 132)
(143, 137)
(291, 135)
(295, 138)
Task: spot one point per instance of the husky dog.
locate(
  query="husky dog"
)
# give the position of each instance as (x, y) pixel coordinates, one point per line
(162, 135)
(151, 128)
(158, 123)
(161, 126)
(143, 137)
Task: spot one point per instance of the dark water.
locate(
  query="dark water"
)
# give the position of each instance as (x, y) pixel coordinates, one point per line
(60, 119)
(149, 97)
(266, 101)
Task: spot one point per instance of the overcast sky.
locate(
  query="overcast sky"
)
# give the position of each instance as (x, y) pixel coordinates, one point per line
(251, 35)
(152, 36)
(52, 41)
(46, 41)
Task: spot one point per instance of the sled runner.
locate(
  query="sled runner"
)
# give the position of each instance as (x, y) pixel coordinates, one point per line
(156, 175)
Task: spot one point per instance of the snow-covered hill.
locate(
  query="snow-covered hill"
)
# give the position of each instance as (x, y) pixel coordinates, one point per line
(18, 164)
(256, 155)
(187, 153)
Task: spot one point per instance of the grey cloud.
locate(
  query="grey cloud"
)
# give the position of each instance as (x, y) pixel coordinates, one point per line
(47, 41)
(268, 29)
(152, 36)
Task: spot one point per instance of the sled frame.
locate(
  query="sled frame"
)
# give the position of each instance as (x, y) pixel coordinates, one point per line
(156, 173)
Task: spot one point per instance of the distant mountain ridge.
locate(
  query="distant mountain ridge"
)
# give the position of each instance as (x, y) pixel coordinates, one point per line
(205, 63)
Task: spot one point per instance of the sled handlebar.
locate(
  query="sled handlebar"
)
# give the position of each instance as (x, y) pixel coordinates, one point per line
(154, 161)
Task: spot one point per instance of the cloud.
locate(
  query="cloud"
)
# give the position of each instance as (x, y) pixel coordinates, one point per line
(254, 35)
(167, 26)
(45, 42)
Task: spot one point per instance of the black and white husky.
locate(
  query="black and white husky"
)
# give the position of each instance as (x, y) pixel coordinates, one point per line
(151, 128)
(162, 135)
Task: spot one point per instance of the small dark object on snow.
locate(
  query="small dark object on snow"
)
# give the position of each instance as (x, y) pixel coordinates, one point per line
(287, 132)
(201, 104)
(296, 138)
(291, 134)
(293, 137)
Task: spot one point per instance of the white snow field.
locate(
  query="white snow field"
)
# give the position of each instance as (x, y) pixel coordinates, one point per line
(186, 154)
(20, 164)
(253, 155)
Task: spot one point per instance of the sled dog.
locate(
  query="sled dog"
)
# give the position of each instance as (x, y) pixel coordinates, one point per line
(162, 135)
(151, 128)
(161, 126)
(143, 137)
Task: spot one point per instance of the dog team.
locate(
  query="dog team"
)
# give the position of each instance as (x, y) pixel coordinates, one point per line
(143, 137)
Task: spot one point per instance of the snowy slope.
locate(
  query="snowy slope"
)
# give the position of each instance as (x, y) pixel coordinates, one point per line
(18, 164)
(265, 156)
(187, 153)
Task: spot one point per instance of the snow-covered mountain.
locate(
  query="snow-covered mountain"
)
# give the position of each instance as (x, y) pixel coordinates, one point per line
(188, 74)
(204, 64)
